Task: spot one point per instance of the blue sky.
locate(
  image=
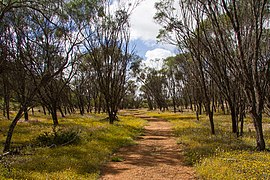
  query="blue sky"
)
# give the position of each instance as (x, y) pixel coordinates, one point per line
(143, 34)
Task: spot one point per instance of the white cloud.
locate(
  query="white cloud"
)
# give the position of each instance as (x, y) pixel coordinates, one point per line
(143, 27)
(142, 22)
(155, 57)
(158, 53)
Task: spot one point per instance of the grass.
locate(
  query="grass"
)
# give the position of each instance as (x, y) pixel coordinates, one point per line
(220, 156)
(82, 160)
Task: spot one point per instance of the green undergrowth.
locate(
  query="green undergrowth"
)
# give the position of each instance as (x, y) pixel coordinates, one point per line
(220, 156)
(75, 150)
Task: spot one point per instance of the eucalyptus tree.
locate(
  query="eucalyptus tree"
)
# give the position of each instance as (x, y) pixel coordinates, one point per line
(154, 87)
(132, 98)
(246, 19)
(180, 80)
(53, 94)
(6, 91)
(39, 48)
(85, 87)
(4, 68)
(106, 33)
(180, 28)
(228, 37)
(172, 74)
(7, 6)
(155, 83)
(83, 84)
(218, 54)
(192, 91)
(80, 90)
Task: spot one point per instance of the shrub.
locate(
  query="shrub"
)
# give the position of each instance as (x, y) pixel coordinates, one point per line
(59, 137)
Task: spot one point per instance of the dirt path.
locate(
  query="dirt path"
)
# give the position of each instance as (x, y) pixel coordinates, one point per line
(155, 156)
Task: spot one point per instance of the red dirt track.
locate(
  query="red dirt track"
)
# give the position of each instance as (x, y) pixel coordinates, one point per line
(155, 156)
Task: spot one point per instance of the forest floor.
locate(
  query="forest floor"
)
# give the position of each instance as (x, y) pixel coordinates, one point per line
(156, 155)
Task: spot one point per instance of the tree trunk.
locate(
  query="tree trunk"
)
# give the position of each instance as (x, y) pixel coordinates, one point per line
(62, 113)
(111, 118)
(211, 119)
(150, 104)
(197, 115)
(6, 101)
(190, 102)
(33, 112)
(65, 110)
(69, 110)
(186, 104)
(211, 116)
(257, 120)
(81, 105)
(82, 109)
(223, 107)
(200, 108)
(44, 110)
(26, 116)
(95, 104)
(241, 119)
(54, 116)
(89, 109)
(226, 104)
(99, 104)
(174, 105)
(7, 107)
(11, 129)
(214, 107)
(234, 119)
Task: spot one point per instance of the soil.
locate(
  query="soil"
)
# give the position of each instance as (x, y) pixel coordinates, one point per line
(156, 155)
